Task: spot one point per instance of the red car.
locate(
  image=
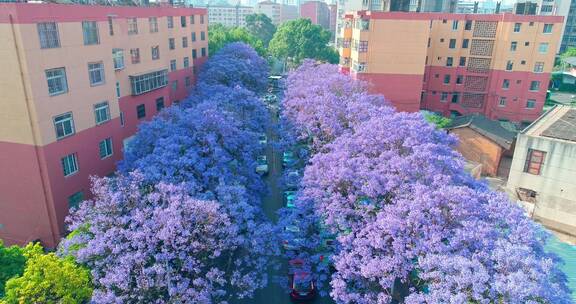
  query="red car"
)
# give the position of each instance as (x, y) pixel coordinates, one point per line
(302, 286)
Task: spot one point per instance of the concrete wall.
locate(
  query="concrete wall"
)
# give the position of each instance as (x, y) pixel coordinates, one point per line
(556, 185)
(479, 149)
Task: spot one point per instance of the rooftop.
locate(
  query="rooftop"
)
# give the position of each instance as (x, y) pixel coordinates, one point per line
(558, 123)
(491, 129)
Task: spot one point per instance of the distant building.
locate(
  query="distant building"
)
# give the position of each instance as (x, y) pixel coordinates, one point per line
(543, 172)
(497, 65)
(77, 82)
(552, 8)
(317, 11)
(230, 16)
(333, 8)
(485, 142)
(277, 12)
(569, 38)
(342, 7)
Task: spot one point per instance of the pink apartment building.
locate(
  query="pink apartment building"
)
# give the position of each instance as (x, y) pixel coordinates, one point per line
(455, 64)
(77, 81)
(317, 11)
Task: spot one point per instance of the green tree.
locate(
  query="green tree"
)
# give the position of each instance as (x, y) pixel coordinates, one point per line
(49, 279)
(299, 39)
(570, 52)
(439, 121)
(12, 263)
(221, 35)
(261, 27)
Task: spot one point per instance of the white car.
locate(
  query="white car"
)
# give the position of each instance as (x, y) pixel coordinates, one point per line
(263, 139)
(262, 165)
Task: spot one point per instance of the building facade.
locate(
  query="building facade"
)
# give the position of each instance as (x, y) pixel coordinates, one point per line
(317, 11)
(230, 16)
(569, 37)
(543, 172)
(270, 9)
(551, 8)
(455, 64)
(78, 80)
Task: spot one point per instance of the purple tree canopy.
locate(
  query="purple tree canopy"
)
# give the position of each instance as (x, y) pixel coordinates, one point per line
(236, 64)
(202, 147)
(157, 244)
(323, 104)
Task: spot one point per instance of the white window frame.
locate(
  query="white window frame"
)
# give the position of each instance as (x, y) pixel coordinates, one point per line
(102, 112)
(118, 58)
(61, 120)
(132, 26)
(90, 33)
(94, 69)
(539, 67)
(69, 162)
(153, 22)
(155, 52)
(52, 77)
(105, 144)
(48, 35)
(543, 47)
(135, 55)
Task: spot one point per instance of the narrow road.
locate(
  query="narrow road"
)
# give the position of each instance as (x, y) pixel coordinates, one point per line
(274, 293)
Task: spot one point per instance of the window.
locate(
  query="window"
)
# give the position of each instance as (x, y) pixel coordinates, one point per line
(132, 26)
(203, 52)
(75, 199)
(96, 73)
(105, 148)
(192, 19)
(173, 65)
(90, 32)
(193, 36)
(363, 47)
(455, 25)
(202, 36)
(465, 43)
(110, 25)
(184, 42)
(174, 85)
(530, 103)
(69, 164)
(449, 61)
(48, 33)
(159, 104)
(455, 97)
(509, 65)
(186, 62)
(502, 102)
(546, 9)
(506, 84)
(517, 27)
(543, 48)
(170, 22)
(523, 62)
(444, 96)
(153, 22)
(102, 112)
(155, 52)
(446, 79)
(64, 125)
(462, 61)
(171, 43)
(534, 161)
(194, 54)
(459, 79)
(148, 82)
(539, 67)
(535, 85)
(452, 43)
(57, 83)
(513, 46)
(201, 19)
(444, 21)
(547, 28)
(141, 111)
(122, 119)
(188, 81)
(468, 25)
(135, 55)
(183, 21)
(429, 39)
(118, 58)
(526, 43)
(117, 89)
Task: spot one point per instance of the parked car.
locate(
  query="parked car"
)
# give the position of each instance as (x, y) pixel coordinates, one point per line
(288, 159)
(290, 198)
(263, 139)
(293, 244)
(302, 284)
(262, 165)
(292, 178)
